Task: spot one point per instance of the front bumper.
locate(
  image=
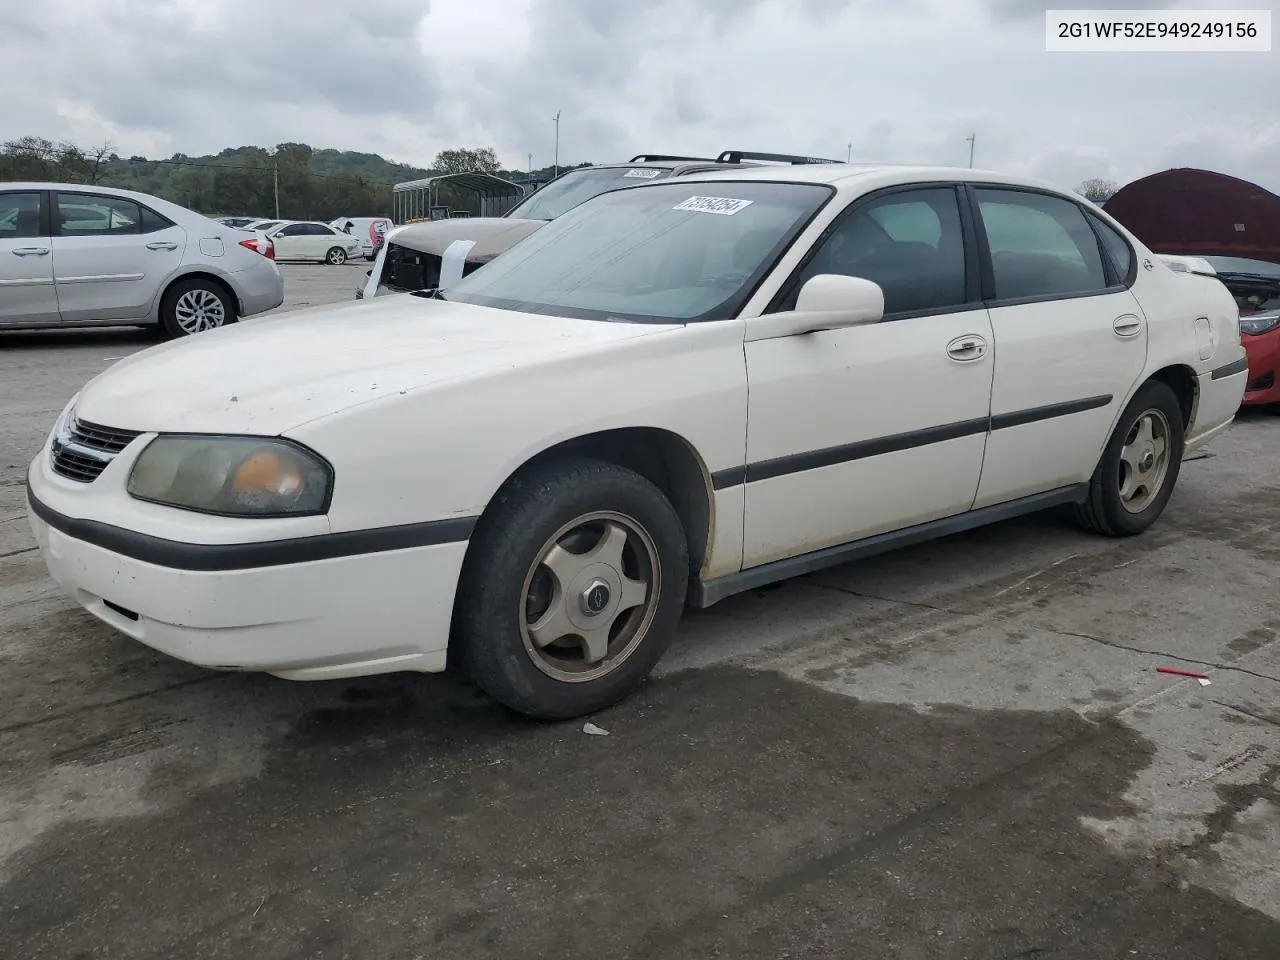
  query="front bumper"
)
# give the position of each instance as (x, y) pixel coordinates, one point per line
(300, 608)
(1264, 368)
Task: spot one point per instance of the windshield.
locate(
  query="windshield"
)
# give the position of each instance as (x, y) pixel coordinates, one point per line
(564, 193)
(1262, 268)
(672, 252)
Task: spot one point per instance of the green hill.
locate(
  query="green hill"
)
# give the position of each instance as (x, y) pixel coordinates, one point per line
(313, 184)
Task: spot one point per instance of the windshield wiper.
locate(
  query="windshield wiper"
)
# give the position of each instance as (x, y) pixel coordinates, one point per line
(1258, 277)
(430, 293)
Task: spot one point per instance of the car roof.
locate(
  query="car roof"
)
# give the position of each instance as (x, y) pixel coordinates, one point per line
(867, 175)
(656, 164)
(78, 188)
(159, 204)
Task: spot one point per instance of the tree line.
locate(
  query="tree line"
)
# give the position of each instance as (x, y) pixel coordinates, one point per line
(292, 180)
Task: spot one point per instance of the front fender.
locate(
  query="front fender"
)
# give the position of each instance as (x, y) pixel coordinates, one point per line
(445, 450)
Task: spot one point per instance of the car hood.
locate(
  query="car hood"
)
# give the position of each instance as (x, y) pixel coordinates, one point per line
(270, 374)
(490, 235)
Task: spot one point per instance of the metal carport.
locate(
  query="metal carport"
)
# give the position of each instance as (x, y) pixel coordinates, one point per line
(490, 195)
(1200, 213)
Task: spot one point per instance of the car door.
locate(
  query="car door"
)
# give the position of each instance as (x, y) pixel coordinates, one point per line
(869, 429)
(326, 238)
(111, 256)
(1071, 340)
(27, 293)
(292, 242)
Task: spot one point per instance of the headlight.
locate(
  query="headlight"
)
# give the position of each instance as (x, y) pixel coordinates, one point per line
(232, 476)
(1256, 323)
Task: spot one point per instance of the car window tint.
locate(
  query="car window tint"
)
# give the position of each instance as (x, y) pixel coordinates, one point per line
(663, 251)
(294, 230)
(912, 221)
(19, 216)
(577, 186)
(910, 243)
(152, 221)
(1116, 246)
(88, 215)
(1041, 246)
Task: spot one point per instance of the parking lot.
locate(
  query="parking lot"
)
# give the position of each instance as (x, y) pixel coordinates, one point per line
(960, 750)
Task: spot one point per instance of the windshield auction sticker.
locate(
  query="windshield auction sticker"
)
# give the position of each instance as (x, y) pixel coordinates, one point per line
(644, 173)
(724, 206)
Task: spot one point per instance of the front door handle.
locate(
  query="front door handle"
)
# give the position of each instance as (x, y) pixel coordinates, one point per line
(162, 245)
(31, 252)
(967, 348)
(1127, 325)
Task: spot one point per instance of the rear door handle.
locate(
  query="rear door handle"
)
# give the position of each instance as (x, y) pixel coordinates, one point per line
(162, 245)
(31, 252)
(967, 348)
(1127, 326)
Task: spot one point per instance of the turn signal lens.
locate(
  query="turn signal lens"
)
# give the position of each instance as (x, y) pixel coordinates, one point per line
(266, 472)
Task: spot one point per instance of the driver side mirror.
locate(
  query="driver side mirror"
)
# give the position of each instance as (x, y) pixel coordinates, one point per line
(827, 301)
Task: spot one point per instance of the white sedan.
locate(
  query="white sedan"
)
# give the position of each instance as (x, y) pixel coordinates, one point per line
(671, 394)
(311, 240)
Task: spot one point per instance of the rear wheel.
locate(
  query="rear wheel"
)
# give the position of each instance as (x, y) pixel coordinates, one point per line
(335, 257)
(194, 306)
(572, 590)
(1139, 467)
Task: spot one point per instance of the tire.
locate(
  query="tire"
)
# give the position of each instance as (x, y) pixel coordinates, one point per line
(1108, 510)
(506, 592)
(194, 306)
(336, 257)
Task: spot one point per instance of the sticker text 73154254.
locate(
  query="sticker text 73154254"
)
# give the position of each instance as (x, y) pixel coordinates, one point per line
(725, 206)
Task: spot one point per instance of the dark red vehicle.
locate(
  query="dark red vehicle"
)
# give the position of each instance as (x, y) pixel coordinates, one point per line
(1232, 224)
(1256, 286)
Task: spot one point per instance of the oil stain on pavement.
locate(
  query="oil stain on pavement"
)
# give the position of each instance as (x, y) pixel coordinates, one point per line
(729, 813)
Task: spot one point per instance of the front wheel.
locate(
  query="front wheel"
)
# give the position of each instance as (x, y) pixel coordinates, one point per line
(336, 257)
(1139, 467)
(572, 590)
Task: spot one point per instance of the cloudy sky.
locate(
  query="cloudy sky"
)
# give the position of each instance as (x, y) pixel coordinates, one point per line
(900, 80)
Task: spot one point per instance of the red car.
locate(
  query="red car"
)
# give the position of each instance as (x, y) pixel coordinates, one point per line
(1256, 286)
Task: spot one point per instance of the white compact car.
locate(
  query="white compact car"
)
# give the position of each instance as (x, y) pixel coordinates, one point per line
(311, 240)
(673, 393)
(73, 255)
(368, 230)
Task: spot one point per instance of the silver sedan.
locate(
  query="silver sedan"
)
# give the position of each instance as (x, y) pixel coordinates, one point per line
(74, 255)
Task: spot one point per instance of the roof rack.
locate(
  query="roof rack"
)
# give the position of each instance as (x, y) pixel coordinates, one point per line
(661, 157)
(737, 156)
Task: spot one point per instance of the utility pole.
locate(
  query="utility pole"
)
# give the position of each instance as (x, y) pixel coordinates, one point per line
(275, 176)
(848, 157)
(557, 160)
(972, 138)
(531, 164)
